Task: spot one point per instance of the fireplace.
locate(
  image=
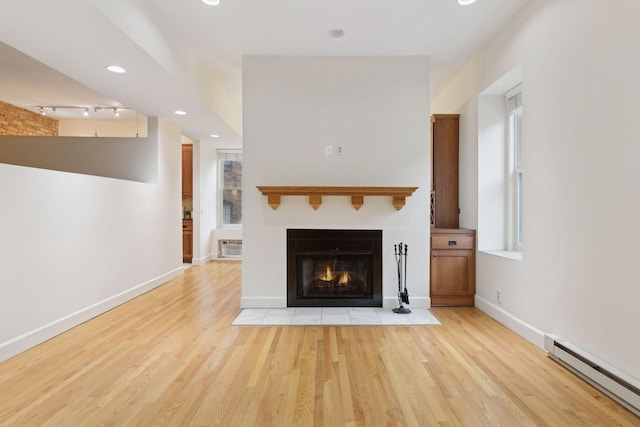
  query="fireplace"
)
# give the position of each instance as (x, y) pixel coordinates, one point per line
(334, 268)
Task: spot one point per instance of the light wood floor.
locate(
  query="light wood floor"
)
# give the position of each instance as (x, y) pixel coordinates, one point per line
(171, 357)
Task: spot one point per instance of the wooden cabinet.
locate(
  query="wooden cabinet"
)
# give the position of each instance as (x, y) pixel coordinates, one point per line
(444, 171)
(453, 267)
(187, 170)
(187, 240)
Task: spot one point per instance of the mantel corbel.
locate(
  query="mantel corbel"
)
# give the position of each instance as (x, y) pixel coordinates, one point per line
(274, 193)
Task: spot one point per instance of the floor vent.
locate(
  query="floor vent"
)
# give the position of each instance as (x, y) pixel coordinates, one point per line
(617, 385)
(230, 249)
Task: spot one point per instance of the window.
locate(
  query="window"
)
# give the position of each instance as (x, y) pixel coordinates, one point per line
(230, 162)
(500, 171)
(514, 111)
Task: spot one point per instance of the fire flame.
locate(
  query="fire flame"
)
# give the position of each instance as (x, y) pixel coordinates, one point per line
(342, 281)
(328, 276)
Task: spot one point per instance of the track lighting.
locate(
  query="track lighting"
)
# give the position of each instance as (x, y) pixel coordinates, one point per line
(68, 110)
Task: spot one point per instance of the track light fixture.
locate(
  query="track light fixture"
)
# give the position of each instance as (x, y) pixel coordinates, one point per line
(42, 109)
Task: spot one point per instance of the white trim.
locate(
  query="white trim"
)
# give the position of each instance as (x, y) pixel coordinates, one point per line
(43, 333)
(263, 302)
(203, 260)
(514, 90)
(512, 255)
(526, 331)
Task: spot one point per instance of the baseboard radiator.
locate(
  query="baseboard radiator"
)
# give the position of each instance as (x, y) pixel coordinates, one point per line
(617, 385)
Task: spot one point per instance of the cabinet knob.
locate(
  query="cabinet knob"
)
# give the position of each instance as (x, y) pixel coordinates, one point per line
(452, 242)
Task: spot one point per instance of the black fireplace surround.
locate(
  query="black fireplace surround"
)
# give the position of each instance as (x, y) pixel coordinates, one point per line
(334, 268)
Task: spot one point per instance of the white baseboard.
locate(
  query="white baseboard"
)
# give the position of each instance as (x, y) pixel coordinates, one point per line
(39, 335)
(526, 331)
(263, 302)
(202, 260)
(414, 302)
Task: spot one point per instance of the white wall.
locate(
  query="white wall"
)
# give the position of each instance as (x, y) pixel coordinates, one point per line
(579, 276)
(377, 109)
(205, 200)
(74, 245)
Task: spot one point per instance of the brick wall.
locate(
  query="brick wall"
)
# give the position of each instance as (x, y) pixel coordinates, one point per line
(18, 121)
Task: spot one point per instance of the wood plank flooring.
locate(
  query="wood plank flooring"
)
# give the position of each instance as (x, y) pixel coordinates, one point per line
(171, 357)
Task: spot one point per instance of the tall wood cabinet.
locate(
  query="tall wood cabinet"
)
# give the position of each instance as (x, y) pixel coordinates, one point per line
(453, 259)
(444, 171)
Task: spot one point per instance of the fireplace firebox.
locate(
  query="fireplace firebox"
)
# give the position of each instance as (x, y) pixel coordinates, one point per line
(334, 268)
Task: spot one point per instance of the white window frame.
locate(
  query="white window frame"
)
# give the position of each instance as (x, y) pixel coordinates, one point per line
(226, 154)
(513, 100)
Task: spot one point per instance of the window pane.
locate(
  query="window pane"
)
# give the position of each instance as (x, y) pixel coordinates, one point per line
(232, 174)
(232, 206)
(231, 189)
(519, 234)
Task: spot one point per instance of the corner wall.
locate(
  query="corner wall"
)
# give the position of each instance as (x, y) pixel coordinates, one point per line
(578, 278)
(377, 109)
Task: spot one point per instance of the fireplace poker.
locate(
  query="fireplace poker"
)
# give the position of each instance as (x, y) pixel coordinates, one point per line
(405, 293)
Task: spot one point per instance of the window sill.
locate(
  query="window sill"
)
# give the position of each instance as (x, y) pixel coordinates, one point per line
(512, 255)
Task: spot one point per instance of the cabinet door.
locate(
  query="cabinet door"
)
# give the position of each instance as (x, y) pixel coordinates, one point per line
(444, 171)
(187, 170)
(187, 246)
(452, 277)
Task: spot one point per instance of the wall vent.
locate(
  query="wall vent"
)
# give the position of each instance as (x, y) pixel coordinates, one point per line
(230, 249)
(616, 384)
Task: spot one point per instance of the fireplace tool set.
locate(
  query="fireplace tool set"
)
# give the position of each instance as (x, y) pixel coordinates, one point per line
(400, 252)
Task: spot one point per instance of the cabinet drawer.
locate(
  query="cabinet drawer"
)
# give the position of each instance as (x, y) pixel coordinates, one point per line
(187, 225)
(452, 242)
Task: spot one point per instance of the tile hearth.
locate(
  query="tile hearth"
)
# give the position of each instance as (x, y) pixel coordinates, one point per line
(325, 316)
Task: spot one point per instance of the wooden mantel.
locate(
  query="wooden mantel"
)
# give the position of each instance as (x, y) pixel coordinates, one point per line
(398, 194)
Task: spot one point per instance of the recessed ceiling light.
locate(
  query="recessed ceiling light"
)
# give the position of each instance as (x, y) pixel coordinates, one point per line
(180, 113)
(213, 135)
(116, 69)
(466, 2)
(336, 33)
(211, 2)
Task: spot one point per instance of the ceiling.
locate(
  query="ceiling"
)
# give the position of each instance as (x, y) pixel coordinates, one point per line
(185, 55)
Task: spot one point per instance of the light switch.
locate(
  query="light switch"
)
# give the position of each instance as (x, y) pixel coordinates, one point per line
(328, 150)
